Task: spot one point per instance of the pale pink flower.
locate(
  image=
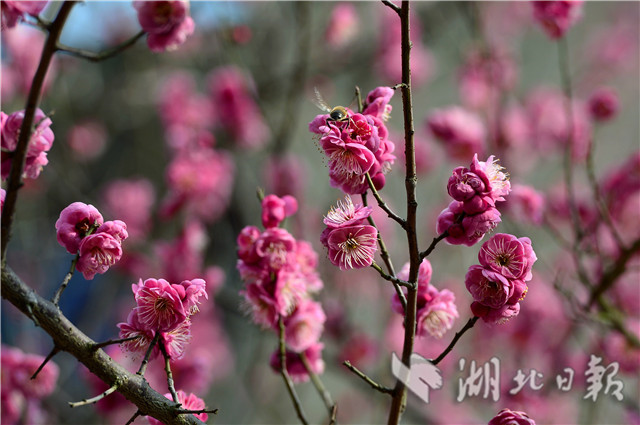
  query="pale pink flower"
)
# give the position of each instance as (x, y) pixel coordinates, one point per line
(307, 260)
(232, 95)
(133, 327)
(39, 144)
(159, 304)
(167, 23)
(556, 17)
(462, 132)
(175, 340)
(276, 209)
(511, 417)
(87, 140)
(14, 11)
(347, 214)
(343, 25)
(194, 289)
(353, 246)
(304, 326)
(438, 313)
(75, 222)
(296, 369)
(3, 194)
(603, 104)
(189, 402)
(98, 252)
(132, 201)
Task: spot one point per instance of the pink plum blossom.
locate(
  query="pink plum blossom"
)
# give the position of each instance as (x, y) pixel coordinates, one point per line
(353, 246)
(346, 214)
(175, 341)
(307, 260)
(159, 304)
(76, 221)
(508, 255)
(144, 335)
(304, 326)
(98, 252)
(14, 11)
(525, 204)
(285, 175)
(181, 107)
(487, 287)
(511, 417)
(3, 195)
(436, 316)
(115, 228)
(461, 131)
(188, 402)
(471, 229)
(167, 23)
(556, 17)
(296, 369)
(603, 104)
(39, 144)
(276, 209)
(132, 201)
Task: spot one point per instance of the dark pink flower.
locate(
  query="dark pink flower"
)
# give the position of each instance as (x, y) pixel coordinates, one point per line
(275, 247)
(194, 289)
(352, 247)
(462, 132)
(14, 11)
(98, 252)
(511, 417)
(488, 287)
(159, 304)
(76, 221)
(556, 17)
(503, 253)
(167, 23)
(133, 327)
(115, 228)
(246, 241)
(377, 102)
(39, 144)
(471, 229)
(189, 402)
(495, 316)
(175, 340)
(603, 104)
(295, 367)
(276, 209)
(304, 326)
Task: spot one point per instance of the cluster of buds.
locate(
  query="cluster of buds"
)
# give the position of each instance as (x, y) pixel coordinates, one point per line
(39, 144)
(350, 241)
(498, 283)
(280, 276)
(473, 212)
(436, 310)
(81, 230)
(358, 143)
(162, 309)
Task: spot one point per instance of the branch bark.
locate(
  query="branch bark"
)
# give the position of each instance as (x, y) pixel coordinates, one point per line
(69, 338)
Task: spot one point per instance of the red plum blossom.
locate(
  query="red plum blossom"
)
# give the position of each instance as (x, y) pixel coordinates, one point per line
(511, 417)
(75, 222)
(98, 252)
(556, 17)
(167, 23)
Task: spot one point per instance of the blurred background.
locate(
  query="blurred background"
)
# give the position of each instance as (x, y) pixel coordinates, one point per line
(120, 125)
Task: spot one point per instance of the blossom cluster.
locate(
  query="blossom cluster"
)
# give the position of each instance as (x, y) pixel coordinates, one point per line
(167, 23)
(359, 144)
(473, 211)
(498, 283)
(280, 276)
(21, 395)
(436, 310)
(39, 144)
(165, 309)
(81, 230)
(350, 241)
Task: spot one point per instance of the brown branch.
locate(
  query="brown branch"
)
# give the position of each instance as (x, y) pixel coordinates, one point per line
(55, 350)
(14, 182)
(69, 338)
(56, 298)
(613, 272)
(365, 378)
(392, 6)
(383, 205)
(99, 56)
(424, 254)
(392, 279)
(447, 350)
(317, 382)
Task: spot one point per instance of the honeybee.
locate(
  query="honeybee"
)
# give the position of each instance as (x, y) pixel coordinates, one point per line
(336, 114)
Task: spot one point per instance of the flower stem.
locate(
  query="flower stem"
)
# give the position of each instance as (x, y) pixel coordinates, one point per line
(167, 369)
(285, 375)
(56, 298)
(99, 56)
(97, 398)
(317, 382)
(447, 350)
(366, 379)
(145, 361)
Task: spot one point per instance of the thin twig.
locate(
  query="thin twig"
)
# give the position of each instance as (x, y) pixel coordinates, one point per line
(167, 370)
(317, 382)
(147, 355)
(365, 378)
(134, 417)
(447, 350)
(195, 412)
(334, 414)
(115, 341)
(424, 254)
(99, 56)
(358, 96)
(56, 298)
(383, 205)
(392, 278)
(613, 272)
(14, 181)
(55, 350)
(285, 375)
(97, 398)
(392, 6)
